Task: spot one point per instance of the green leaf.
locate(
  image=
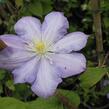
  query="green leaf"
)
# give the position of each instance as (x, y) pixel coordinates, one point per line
(50, 103)
(36, 8)
(92, 76)
(11, 103)
(22, 91)
(19, 3)
(73, 97)
(1, 88)
(10, 85)
(105, 90)
(47, 6)
(39, 103)
(106, 22)
(2, 74)
(72, 28)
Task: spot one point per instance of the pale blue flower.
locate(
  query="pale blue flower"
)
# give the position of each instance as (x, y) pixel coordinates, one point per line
(41, 54)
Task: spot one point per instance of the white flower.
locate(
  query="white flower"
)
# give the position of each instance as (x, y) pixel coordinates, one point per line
(41, 54)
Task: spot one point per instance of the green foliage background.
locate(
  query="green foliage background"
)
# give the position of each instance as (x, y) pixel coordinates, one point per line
(86, 91)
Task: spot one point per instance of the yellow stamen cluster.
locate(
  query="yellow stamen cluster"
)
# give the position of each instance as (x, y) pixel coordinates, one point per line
(40, 47)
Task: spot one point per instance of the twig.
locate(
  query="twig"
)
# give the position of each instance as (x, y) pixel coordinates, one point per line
(95, 5)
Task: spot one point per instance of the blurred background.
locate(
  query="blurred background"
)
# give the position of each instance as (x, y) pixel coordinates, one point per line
(90, 90)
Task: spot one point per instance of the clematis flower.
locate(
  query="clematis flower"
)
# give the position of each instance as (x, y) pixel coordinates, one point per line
(42, 54)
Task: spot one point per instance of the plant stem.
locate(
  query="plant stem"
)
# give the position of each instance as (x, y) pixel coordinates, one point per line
(95, 5)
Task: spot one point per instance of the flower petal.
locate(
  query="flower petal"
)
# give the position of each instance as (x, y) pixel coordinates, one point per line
(28, 28)
(72, 42)
(27, 72)
(47, 80)
(12, 58)
(13, 41)
(54, 27)
(69, 64)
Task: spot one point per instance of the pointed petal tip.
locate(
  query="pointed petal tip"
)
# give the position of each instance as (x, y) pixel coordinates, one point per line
(46, 82)
(72, 42)
(69, 64)
(28, 28)
(42, 94)
(55, 24)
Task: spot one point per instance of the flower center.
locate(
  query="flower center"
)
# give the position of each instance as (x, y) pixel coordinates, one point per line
(40, 47)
